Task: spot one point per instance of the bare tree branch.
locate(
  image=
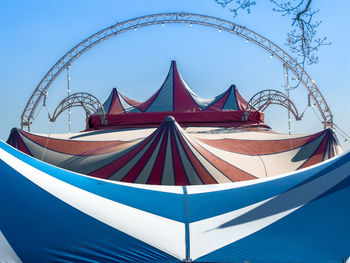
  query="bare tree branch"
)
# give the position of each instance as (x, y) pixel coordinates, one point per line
(239, 5)
(301, 39)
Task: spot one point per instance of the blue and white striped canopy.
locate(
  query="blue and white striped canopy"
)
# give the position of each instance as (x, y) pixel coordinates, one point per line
(48, 214)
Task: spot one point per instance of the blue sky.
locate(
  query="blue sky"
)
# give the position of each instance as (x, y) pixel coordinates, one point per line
(35, 34)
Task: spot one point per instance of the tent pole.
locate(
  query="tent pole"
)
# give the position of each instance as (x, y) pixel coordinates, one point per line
(288, 95)
(68, 93)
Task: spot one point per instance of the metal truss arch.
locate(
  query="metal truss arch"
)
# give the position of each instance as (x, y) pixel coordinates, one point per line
(189, 18)
(80, 99)
(261, 100)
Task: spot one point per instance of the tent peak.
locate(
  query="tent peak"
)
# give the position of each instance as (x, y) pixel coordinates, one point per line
(173, 66)
(169, 119)
(232, 87)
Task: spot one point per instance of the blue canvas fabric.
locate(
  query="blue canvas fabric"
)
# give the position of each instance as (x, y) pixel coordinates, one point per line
(299, 217)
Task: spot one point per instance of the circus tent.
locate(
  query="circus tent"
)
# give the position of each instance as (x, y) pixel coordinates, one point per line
(170, 155)
(175, 96)
(175, 178)
(177, 138)
(54, 215)
(117, 103)
(176, 99)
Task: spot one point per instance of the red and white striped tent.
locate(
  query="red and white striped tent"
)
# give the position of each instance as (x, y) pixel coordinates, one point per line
(175, 98)
(177, 138)
(174, 179)
(171, 155)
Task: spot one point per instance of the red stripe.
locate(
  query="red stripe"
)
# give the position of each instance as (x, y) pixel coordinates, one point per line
(157, 171)
(230, 171)
(114, 93)
(241, 102)
(217, 106)
(260, 147)
(199, 168)
(136, 170)
(116, 107)
(180, 175)
(78, 147)
(145, 105)
(108, 170)
(15, 140)
(318, 155)
(21, 145)
(183, 101)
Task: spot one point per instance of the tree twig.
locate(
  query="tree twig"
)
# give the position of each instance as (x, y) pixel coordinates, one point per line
(301, 39)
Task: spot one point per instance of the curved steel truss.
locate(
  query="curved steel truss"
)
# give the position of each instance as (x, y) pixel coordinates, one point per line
(81, 99)
(261, 100)
(222, 25)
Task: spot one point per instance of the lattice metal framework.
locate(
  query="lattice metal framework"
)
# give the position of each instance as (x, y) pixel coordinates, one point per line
(81, 99)
(261, 100)
(220, 24)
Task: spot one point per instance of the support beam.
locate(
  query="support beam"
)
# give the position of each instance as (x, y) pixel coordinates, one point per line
(179, 18)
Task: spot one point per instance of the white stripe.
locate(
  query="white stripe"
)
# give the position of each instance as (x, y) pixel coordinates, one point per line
(168, 171)
(126, 106)
(198, 189)
(146, 171)
(160, 232)
(247, 163)
(7, 254)
(265, 165)
(207, 236)
(191, 173)
(129, 165)
(212, 170)
(160, 188)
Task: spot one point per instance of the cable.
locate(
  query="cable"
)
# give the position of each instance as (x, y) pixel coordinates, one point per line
(341, 130)
(342, 133)
(48, 113)
(316, 114)
(38, 112)
(344, 137)
(302, 114)
(263, 163)
(47, 141)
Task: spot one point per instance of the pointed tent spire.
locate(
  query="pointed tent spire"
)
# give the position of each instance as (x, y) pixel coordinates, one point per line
(118, 103)
(231, 99)
(173, 95)
(108, 103)
(175, 98)
(128, 105)
(172, 157)
(240, 101)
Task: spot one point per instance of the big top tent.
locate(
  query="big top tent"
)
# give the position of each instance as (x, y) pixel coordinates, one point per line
(175, 178)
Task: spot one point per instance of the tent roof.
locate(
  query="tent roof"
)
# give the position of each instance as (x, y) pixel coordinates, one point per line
(175, 95)
(298, 217)
(175, 98)
(230, 99)
(117, 103)
(170, 155)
